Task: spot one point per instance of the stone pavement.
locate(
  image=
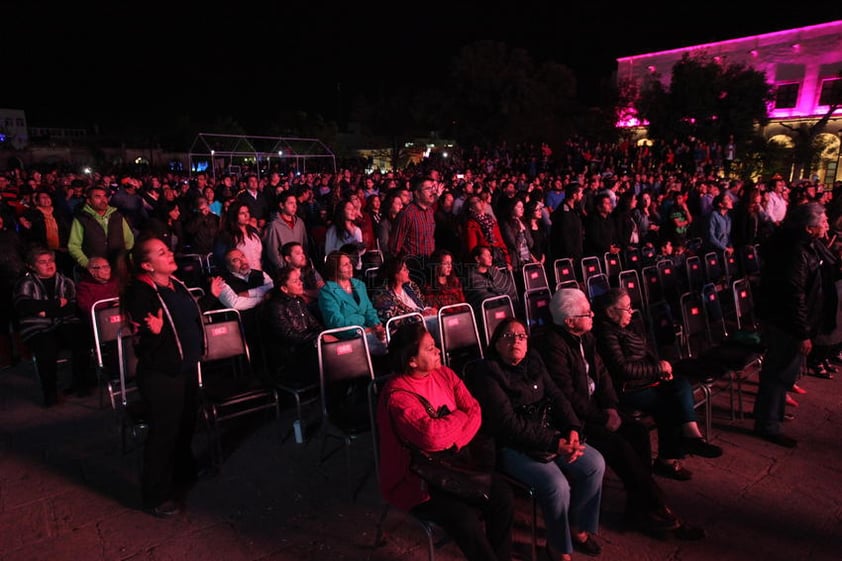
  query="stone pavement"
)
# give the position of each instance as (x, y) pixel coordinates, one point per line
(68, 492)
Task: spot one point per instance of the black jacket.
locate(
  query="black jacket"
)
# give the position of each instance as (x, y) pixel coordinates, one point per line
(790, 294)
(626, 355)
(289, 325)
(561, 354)
(505, 392)
(566, 234)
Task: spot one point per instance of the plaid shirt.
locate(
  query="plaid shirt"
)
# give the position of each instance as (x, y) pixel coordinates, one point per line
(414, 232)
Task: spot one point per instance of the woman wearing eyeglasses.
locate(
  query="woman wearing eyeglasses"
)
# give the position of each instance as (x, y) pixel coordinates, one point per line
(648, 384)
(512, 386)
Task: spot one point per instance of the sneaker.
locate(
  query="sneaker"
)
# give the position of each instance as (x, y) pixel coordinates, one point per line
(672, 469)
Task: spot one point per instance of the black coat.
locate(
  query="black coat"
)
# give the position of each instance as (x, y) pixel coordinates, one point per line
(504, 392)
(626, 355)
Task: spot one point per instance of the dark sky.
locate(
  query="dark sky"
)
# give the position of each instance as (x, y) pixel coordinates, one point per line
(125, 63)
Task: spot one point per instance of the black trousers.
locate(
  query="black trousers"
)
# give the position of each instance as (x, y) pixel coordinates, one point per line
(463, 522)
(170, 408)
(628, 453)
(45, 348)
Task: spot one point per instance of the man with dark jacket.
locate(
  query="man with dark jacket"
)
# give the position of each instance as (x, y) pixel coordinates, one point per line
(567, 231)
(790, 306)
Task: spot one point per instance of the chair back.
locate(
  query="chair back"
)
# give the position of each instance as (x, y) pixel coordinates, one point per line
(224, 335)
(696, 335)
(613, 266)
(597, 285)
(564, 270)
(127, 362)
(632, 258)
(345, 370)
(191, 268)
(534, 276)
(652, 290)
(714, 269)
(629, 279)
(537, 308)
(670, 282)
(750, 261)
(744, 304)
(591, 265)
(107, 319)
(717, 328)
(495, 309)
(695, 272)
(568, 284)
(394, 322)
(459, 336)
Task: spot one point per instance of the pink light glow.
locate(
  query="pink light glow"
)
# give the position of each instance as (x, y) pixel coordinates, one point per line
(732, 41)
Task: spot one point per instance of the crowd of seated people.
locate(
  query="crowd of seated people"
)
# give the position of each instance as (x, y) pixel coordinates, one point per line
(290, 252)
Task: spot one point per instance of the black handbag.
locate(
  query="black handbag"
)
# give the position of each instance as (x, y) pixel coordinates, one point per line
(465, 473)
(539, 412)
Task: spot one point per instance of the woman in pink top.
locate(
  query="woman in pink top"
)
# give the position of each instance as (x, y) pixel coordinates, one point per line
(401, 417)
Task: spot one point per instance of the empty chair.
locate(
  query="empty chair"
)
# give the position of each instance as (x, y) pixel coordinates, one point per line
(494, 310)
(632, 258)
(744, 304)
(630, 281)
(345, 371)
(652, 290)
(106, 319)
(568, 284)
(534, 276)
(591, 265)
(564, 270)
(695, 273)
(537, 308)
(596, 286)
(613, 267)
(714, 269)
(648, 256)
(459, 336)
(191, 269)
(227, 385)
(670, 281)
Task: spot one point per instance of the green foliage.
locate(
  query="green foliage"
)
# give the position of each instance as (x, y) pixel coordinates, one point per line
(705, 100)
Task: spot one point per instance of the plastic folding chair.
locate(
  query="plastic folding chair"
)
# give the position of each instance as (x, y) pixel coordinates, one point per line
(106, 320)
(613, 267)
(564, 270)
(495, 309)
(537, 307)
(596, 286)
(630, 281)
(534, 276)
(591, 265)
(459, 336)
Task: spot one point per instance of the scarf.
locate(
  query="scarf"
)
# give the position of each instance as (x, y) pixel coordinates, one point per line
(486, 224)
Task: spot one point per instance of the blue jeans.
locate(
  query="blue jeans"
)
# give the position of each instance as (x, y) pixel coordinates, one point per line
(781, 366)
(566, 504)
(671, 404)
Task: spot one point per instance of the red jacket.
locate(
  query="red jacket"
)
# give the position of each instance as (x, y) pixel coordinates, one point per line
(401, 417)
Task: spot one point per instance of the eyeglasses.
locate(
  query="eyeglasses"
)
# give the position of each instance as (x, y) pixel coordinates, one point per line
(629, 309)
(589, 314)
(98, 267)
(512, 336)
(45, 261)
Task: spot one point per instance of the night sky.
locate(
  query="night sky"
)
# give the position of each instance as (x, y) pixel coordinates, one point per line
(123, 64)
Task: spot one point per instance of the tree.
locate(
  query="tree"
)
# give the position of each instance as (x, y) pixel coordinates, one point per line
(705, 100)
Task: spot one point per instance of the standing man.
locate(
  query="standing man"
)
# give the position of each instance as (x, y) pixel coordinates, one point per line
(98, 230)
(790, 305)
(567, 233)
(414, 231)
(286, 226)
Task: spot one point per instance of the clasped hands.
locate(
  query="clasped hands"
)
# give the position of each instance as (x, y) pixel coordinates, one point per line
(570, 447)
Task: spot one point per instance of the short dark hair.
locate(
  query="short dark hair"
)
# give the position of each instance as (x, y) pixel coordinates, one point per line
(286, 249)
(404, 345)
(282, 276)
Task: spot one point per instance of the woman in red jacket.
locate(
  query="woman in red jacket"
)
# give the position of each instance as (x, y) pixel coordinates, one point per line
(401, 417)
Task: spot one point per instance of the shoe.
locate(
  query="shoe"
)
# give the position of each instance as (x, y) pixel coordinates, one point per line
(554, 555)
(789, 416)
(819, 371)
(589, 547)
(779, 439)
(797, 389)
(654, 521)
(791, 401)
(166, 509)
(701, 447)
(689, 533)
(672, 469)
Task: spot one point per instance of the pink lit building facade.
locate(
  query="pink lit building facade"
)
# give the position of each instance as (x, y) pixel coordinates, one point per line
(801, 63)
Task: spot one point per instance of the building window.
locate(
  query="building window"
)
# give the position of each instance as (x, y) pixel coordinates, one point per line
(786, 96)
(831, 91)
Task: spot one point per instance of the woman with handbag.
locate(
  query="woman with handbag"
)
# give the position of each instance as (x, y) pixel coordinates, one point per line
(537, 434)
(445, 416)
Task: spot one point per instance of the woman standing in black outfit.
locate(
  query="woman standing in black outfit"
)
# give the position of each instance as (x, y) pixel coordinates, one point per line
(169, 343)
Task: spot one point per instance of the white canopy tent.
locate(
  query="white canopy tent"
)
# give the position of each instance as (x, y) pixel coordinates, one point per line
(222, 152)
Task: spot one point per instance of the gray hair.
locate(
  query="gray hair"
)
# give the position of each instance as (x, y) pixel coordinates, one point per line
(805, 215)
(566, 303)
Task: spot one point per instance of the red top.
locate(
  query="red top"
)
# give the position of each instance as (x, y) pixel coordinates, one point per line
(402, 417)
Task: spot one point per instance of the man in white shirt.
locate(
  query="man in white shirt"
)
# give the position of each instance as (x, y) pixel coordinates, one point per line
(775, 202)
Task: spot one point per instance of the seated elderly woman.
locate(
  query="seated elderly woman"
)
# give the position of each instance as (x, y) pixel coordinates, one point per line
(45, 304)
(344, 301)
(403, 419)
(648, 384)
(513, 388)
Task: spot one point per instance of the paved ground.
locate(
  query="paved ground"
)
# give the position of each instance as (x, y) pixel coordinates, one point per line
(67, 492)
